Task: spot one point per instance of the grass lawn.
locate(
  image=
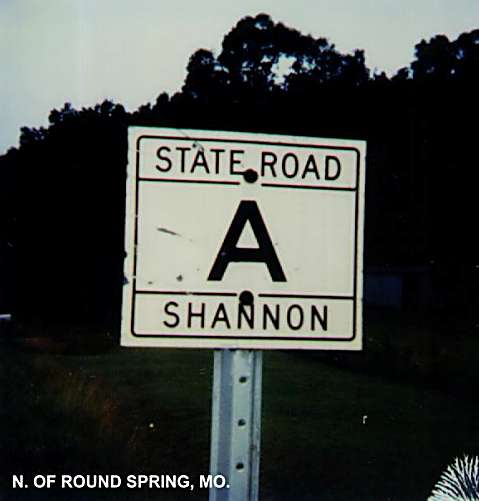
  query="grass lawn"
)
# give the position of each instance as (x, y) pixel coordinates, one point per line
(329, 432)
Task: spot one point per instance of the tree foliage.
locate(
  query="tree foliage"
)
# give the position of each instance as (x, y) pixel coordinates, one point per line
(70, 189)
(260, 57)
(62, 190)
(440, 60)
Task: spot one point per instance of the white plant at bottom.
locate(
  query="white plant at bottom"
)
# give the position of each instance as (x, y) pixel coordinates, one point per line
(460, 481)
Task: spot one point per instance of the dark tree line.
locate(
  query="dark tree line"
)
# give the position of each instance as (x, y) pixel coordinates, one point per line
(62, 191)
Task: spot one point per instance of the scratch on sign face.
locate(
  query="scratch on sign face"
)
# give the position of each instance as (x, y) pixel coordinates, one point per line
(168, 232)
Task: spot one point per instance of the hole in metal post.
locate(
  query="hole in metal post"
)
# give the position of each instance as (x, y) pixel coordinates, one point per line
(240, 466)
(243, 379)
(241, 422)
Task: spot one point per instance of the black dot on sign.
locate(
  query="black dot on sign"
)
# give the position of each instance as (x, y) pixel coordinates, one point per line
(250, 176)
(246, 297)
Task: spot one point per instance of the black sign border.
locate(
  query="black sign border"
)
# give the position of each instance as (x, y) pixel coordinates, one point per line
(233, 338)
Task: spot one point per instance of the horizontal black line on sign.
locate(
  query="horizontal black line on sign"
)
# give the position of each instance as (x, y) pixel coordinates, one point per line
(306, 187)
(188, 293)
(243, 338)
(234, 294)
(198, 139)
(306, 296)
(197, 181)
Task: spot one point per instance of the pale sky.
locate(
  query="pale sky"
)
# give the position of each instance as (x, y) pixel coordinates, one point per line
(83, 51)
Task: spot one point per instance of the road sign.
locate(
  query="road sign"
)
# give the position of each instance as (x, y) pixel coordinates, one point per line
(241, 240)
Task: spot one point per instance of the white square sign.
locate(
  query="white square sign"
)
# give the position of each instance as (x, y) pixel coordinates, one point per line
(240, 240)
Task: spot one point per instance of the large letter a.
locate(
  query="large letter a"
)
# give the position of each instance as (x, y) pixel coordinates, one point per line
(247, 211)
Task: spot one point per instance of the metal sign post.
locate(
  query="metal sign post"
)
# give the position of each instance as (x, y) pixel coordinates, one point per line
(242, 242)
(236, 424)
